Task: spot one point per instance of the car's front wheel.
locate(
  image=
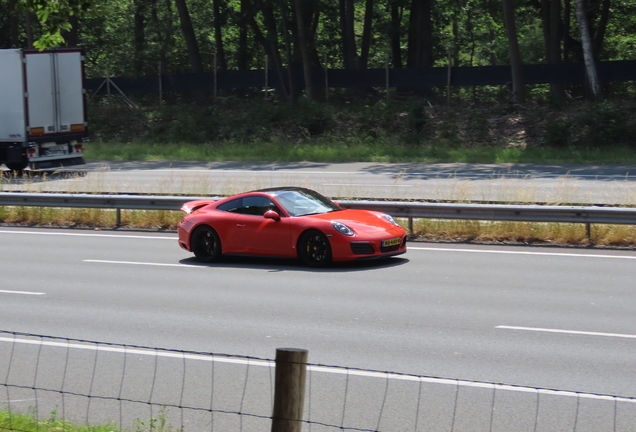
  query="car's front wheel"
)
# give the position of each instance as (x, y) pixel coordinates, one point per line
(314, 249)
(206, 244)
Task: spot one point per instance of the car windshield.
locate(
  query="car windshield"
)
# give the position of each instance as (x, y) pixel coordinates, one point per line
(302, 202)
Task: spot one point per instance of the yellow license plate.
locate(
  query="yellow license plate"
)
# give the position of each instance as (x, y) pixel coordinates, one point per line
(391, 242)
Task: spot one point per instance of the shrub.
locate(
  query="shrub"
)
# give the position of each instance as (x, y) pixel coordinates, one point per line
(557, 133)
(602, 124)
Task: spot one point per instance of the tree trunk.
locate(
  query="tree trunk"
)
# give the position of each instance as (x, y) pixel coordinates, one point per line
(71, 38)
(304, 50)
(13, 24)
(348, 35)
(192, 46)
(242, 52)
(599, 37)
(420, 46)
(366, 34)
(515, 55)
(557, 90)
(161, 37)
(394, 34)
(588, 51)
(312, 20)
(31, 20)
(139, 36)
(567, 13)
(218, 35)
(290, 37)
(270, 44)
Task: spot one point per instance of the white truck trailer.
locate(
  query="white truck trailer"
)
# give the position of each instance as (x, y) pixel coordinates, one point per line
(42, 108)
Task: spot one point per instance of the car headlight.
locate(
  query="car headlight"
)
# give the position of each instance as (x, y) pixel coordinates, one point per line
(342, 228)
(390, 219)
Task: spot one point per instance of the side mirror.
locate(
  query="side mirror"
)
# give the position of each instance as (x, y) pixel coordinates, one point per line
(271, 214)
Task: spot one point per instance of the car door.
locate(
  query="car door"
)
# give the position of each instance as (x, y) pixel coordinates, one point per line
(261, 235)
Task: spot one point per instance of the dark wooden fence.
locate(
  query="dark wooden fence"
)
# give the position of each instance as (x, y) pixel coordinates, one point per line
(566, 73)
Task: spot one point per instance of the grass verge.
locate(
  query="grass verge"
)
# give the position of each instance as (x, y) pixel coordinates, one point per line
(351, 151)
(562, 234)
(19, 422)
(30, 422)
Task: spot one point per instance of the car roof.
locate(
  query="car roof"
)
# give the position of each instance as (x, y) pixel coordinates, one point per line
(282, 188)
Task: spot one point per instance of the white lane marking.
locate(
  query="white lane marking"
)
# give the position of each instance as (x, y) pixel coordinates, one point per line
(574, 332)
(522, 253)
(22, 292)
(145, 263)
(87, 235)
(216, 171)
(365, 185)
(138, 351)
(314, 368)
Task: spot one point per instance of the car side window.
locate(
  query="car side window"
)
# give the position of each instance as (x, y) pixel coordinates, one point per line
(233, 206)
(251, 205)
(258, 205)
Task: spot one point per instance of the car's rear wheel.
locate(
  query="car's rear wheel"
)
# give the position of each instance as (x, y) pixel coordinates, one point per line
(314, 249)
(206, 244)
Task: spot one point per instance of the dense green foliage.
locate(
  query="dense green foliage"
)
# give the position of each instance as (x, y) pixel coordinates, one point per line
(131, 37)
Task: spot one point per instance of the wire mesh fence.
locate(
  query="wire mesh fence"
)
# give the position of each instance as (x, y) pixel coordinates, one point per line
(135, 388)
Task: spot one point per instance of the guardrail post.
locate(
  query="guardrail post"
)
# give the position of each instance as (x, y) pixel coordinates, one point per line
(289, 392)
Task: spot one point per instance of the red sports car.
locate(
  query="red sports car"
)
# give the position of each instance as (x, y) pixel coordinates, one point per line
(287, 222)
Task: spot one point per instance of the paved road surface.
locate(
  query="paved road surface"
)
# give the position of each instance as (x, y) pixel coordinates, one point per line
(572, 184)
(540, 317)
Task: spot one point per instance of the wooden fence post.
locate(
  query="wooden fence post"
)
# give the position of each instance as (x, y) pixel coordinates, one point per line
(289, 392)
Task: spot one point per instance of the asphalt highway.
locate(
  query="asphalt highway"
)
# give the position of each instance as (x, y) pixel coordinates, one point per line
(571, 184)
(549, 318)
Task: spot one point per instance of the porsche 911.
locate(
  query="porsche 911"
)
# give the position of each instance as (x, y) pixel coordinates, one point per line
(289, 222)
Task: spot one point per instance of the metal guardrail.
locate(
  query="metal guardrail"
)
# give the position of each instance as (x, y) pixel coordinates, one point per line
(502, 212)
(402, 209)
(120, 202)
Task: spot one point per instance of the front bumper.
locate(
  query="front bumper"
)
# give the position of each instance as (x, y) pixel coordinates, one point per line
(361, 250)
(381, 256)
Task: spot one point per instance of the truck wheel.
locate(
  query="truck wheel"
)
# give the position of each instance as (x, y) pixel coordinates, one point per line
(15, 158)
(18, 167)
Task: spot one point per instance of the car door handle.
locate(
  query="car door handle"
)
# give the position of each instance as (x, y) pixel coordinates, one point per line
(241, 226)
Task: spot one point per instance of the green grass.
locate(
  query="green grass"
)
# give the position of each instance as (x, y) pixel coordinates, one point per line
(350, 152)
(17, 422)
(29, 422)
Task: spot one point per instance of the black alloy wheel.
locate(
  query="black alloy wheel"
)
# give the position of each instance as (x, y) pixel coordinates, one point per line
(314, 249)
(206, 244)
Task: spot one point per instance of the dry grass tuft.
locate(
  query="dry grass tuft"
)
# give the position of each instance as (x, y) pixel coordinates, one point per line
(525, 232)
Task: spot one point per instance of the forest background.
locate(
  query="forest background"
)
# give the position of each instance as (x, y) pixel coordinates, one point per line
(516, 122)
